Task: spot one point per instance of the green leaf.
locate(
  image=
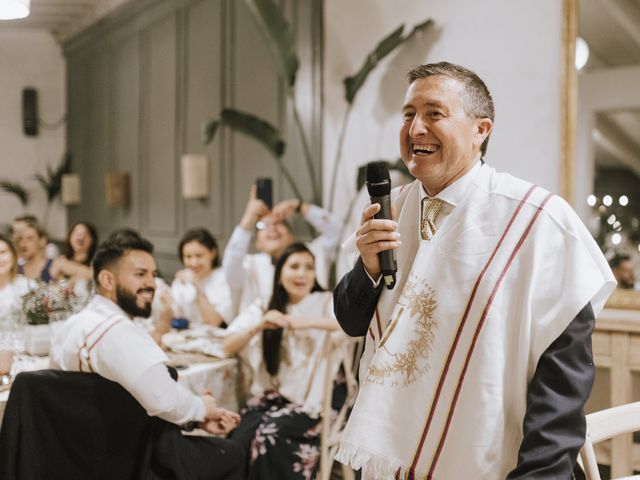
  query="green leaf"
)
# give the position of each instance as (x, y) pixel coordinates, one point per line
(15, 188)
(354, 83)
(209, 128)
(401, 167)
(279, 36)
(42, 180)
(421, 27)
(255, 127)
(51, 183)
(387, 45)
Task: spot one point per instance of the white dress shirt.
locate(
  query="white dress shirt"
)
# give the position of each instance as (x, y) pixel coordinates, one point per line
(102, 339)
(451, 196)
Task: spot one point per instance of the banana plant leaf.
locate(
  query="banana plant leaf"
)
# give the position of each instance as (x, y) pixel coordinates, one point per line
(387, 45)
(279, 36)
(397, 165)
(418, 28)
(14, 188)
(209, 128)
(257, 128)
(52, 182)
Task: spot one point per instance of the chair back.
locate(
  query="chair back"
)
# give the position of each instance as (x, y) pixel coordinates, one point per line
(604, 425)
(331, 428)
(61, 425)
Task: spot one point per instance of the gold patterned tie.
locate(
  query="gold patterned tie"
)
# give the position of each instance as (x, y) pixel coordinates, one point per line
(430, 209)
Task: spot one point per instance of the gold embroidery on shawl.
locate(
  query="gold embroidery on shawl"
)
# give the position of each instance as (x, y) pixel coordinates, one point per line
(406, 367)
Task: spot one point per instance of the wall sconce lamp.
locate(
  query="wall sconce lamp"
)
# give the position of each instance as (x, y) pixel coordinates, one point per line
(117, 189)
(195, 176)
(71, 189)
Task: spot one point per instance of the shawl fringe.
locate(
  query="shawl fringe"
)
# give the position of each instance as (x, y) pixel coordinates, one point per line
(372, 464)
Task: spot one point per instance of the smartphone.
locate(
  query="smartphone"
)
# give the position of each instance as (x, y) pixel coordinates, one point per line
(264, 190)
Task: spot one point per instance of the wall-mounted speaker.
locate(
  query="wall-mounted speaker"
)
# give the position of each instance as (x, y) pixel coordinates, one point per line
(30, 112)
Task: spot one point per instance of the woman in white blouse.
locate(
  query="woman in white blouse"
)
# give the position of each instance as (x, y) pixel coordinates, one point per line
(199, 292)
(288, 348)
(12, 285)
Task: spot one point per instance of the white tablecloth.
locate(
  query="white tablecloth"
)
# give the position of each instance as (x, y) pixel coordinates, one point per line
(220, 376)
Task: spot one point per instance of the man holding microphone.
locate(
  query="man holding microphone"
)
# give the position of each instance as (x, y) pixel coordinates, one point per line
(478, 359)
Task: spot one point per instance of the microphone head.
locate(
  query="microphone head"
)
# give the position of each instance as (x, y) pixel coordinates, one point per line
(378, 180)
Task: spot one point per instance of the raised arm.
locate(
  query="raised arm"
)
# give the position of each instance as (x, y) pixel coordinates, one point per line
(240, 241)
(328, 227)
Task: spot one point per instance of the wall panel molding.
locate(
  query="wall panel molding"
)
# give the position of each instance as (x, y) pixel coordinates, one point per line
(147, 76)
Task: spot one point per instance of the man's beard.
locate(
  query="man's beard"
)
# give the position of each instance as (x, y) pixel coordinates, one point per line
(126, 300)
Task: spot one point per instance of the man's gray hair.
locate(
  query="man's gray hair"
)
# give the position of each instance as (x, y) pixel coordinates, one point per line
(477, 100)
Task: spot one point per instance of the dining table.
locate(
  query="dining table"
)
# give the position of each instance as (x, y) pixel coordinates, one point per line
(198, 371)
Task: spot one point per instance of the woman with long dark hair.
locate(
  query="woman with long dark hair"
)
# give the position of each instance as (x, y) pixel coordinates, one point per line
(81, 243)
(287, 347)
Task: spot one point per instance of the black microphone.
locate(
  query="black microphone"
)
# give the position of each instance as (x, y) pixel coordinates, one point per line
(379, 188)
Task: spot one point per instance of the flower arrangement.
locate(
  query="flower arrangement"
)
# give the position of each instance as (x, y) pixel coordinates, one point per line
(51, 301)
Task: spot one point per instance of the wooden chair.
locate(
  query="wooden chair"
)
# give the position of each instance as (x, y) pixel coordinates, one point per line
(604, 425)
(331, 430)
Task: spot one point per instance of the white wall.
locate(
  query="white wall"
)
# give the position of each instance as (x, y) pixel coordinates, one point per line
(31, 59)
(514, 46)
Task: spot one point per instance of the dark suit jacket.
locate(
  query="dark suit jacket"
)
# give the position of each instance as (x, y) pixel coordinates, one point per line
(554, 425)
(77, 426)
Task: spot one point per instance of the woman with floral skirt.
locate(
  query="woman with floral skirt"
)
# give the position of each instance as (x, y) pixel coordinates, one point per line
(288, 346)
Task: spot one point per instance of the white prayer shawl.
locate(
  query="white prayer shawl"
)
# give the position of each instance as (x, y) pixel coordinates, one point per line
(305, 353)
(453, 347)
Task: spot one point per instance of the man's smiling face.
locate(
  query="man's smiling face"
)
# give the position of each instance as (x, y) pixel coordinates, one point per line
(438, 141)
(135, 275)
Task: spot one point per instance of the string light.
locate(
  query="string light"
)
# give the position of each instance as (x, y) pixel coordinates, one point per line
(623, 200)
(591, 200)
(582, 53)
(616, 238)
(607, 200)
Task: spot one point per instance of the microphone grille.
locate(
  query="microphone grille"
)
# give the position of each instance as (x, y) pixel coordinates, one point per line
(378, 180)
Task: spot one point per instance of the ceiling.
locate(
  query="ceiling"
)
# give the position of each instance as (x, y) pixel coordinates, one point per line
(63, 18)
(610, 27)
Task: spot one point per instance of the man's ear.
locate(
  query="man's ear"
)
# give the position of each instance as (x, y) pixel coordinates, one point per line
(107, 280)
(483, 129)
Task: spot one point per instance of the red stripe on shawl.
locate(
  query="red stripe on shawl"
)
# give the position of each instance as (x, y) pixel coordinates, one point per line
(461, 326)
(379, 324)
(478, 330)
